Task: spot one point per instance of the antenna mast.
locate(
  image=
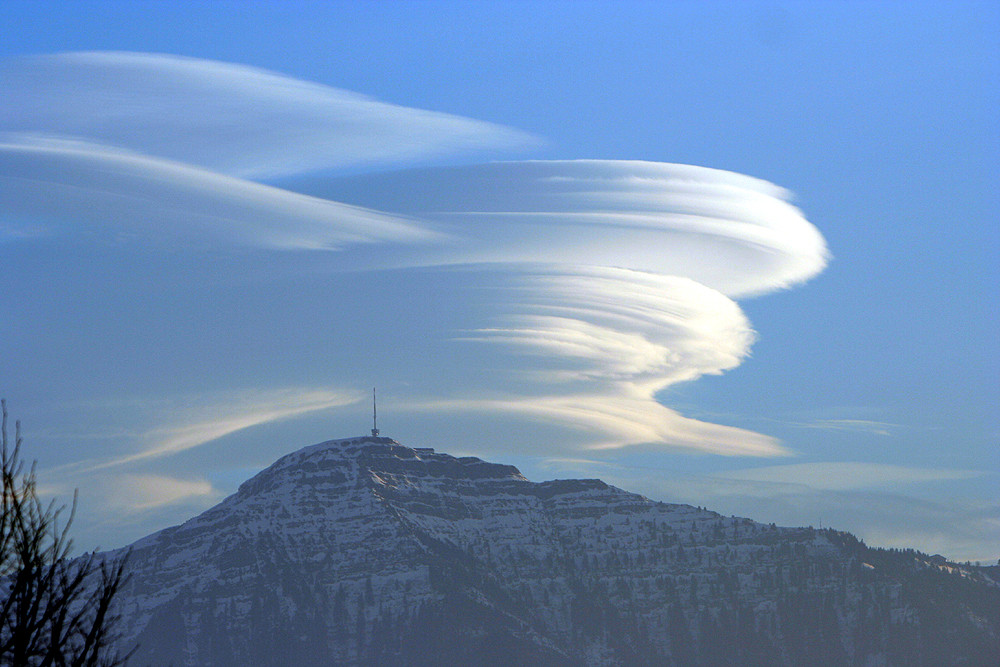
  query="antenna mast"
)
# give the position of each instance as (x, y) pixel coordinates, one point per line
(374, 415)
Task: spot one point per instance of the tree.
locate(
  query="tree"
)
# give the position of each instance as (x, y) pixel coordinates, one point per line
(54, 610)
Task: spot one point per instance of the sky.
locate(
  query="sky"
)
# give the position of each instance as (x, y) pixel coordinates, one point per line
(742, 255)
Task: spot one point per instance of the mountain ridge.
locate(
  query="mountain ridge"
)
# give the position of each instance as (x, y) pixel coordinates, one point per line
(365, 551)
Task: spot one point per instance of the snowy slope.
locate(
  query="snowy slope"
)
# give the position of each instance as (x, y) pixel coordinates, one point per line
(364, 551)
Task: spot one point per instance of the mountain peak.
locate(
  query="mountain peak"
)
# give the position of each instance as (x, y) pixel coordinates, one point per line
(377, 459)
(365, 551)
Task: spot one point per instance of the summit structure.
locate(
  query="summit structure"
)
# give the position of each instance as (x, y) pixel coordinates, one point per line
(367, 552)
(374, 415)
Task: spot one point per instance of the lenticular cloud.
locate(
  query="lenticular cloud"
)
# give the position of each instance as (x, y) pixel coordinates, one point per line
(587, 286)
(81, 188)
(602, 342)
(234, 119)
(734, 233)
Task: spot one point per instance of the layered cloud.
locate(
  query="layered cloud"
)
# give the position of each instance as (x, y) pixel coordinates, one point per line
(620, 282)
(736, 234)
(603, 341)
(78, 188)
(233, 119)
(565, 294)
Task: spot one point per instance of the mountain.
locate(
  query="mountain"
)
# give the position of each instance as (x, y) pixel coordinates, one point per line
(366, 552)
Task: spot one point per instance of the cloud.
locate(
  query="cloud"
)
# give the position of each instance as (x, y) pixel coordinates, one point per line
(617, 419)
(960, 528)
(850, 425)
(599, 343)
(594, 342)
(847, 475)
(733, 233)
(143, 492)
(116, 507)
(229, 118)
(178, 428)
(617, 281)
(600, 282)
(80, 189)
(621, 325)
(595, 331)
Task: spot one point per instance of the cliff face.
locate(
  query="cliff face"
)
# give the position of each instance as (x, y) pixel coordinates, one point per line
(364, 551)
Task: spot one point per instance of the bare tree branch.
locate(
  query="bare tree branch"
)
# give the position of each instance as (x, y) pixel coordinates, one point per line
(56, 610)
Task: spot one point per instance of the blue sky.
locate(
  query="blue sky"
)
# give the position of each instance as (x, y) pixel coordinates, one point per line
(136, 326)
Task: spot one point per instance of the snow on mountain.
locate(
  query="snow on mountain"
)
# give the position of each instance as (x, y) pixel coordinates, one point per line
(365, 551)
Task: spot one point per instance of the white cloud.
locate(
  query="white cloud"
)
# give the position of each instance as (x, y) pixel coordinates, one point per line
(94, 192)
(596, 341)
(622, 325)
(602, 342)
(609, 280)
(733, 233)
(210, 418)
(619, 278)
(230, 118)
(618, 418)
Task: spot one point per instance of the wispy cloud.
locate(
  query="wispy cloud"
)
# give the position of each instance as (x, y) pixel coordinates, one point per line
(143, 492)
(262, 408)
(623, 325)
(851, 425)
(230, 118)
(847, 475)
(607, 281)
(106, 194)
(614, 420)
(177, 428)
